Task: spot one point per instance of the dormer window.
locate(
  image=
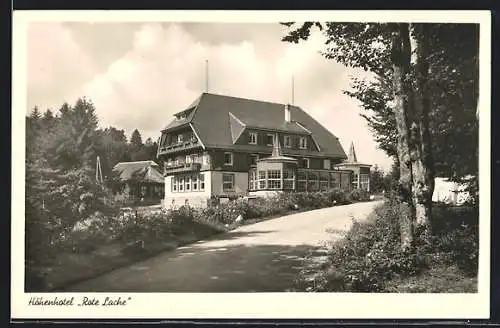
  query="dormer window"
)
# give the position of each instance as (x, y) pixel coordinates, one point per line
(228, 158)
(287, 141)
(270, 139)
(303, 143)
(252, 138)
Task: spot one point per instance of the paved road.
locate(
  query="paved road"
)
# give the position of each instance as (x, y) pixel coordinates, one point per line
(262, 257)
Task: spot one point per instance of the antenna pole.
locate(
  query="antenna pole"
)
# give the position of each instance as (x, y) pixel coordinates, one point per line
(293, 89)
(206, 75)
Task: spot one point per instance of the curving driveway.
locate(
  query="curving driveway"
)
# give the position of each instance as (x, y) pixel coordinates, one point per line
(262, 257)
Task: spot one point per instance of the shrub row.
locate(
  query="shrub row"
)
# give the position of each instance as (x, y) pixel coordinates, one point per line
(370, 254)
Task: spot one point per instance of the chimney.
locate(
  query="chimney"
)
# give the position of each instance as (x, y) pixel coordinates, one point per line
(287, 113)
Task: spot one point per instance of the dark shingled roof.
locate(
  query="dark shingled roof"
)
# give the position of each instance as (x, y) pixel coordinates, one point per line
(217, 128)
(143, 171)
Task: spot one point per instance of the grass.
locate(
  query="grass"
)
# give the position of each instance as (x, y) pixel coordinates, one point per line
(369, 257)
(439, 279)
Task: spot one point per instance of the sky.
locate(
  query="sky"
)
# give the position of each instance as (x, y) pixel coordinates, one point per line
(139, 74)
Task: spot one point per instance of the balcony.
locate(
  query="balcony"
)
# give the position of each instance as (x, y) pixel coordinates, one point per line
(179, 146)
(182, 168)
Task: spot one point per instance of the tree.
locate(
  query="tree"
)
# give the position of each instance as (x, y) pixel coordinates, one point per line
(111, 146)
(376, 179)
(442, 84)
(408, 105)
(136, 139)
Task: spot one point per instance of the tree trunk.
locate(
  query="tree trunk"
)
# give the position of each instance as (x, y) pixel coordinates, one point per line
(420, 140)
(401, 54)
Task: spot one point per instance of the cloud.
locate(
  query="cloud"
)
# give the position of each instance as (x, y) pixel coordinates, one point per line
(162, 70)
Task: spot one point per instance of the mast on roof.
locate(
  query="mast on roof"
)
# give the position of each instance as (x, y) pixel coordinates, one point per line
(293, 89)
(206, 75)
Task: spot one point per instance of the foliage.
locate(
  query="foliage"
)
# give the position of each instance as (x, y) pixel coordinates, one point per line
(359, 195)
(369, 258)
(376, 180)
(452, 81)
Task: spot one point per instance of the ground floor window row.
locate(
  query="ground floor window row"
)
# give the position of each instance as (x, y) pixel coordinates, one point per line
(188, 182)
(303, 181)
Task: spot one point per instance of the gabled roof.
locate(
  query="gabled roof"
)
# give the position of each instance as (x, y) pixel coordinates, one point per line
(143, 171)
(217, 128)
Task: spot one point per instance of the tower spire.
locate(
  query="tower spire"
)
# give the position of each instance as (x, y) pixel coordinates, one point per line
(351, 158)
(276, 147)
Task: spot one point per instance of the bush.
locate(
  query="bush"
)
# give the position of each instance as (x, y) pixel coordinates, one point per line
(370, 254)
(359, 195)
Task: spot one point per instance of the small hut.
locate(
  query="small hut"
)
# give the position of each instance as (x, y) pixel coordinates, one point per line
(144, 182)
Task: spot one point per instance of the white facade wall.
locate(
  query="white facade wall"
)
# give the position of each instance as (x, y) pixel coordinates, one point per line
(240, 183)
(193, 198)
(213, 187)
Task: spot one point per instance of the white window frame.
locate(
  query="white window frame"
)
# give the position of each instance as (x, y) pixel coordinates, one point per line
(252, 136)
(231, 156)
(187, 183)
(175, 184)
(267, 137)
(262, 181)
(275, 181)
(194, 183)
(303, 143)
(289, 143)
(181, 184)
(201, 182)
(289, 179)
(225, 175)
(180, 138)
(327, 164)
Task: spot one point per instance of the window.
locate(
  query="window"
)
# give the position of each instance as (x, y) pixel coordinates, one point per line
(274, 179)
(262, 180)
(228, 158)
(334, 180)
(188, 159)
(365, 181)
(252, 138)
(181, 184)
(253, 159)
(287, 142)
(180, 137)
(201, 179)
(304, 163)
(288, 179)
(323, 181)
(326, 164)
(270, 140)
(227, 182)
(345, 182)
(301, 180)
(252, 180)
(191, 182)
(355, 181)
(206, 159)
(303, 143)
(195, 182)
(175, 184)
(312, 181)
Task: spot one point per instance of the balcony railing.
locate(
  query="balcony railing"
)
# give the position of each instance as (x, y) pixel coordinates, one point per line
(180, 168)
(177, 146)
